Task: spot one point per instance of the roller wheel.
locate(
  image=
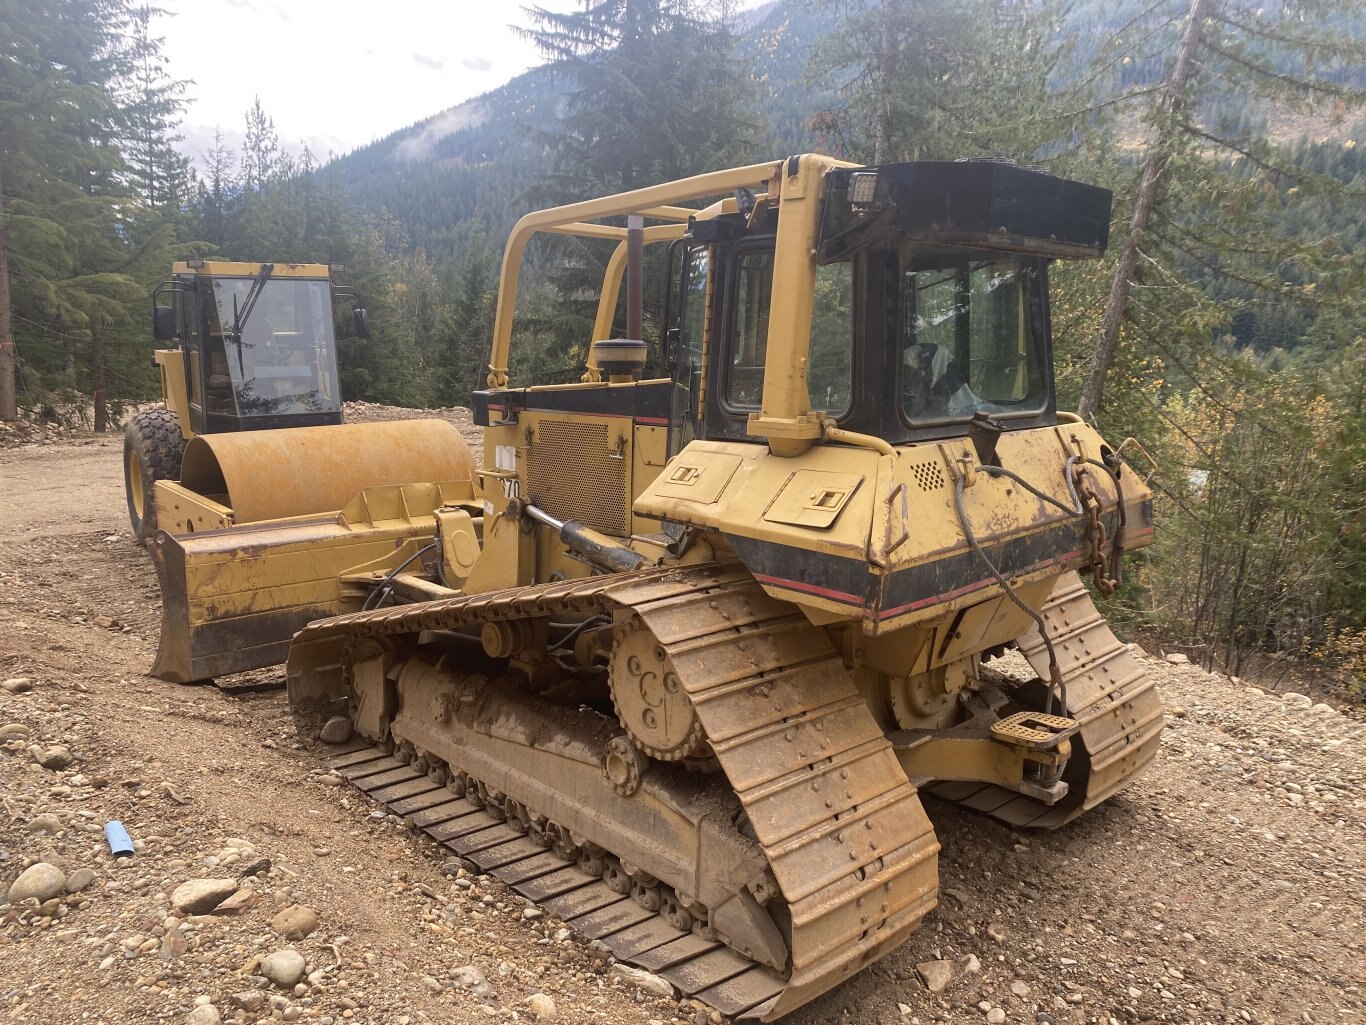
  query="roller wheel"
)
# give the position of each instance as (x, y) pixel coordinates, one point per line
(152, 447)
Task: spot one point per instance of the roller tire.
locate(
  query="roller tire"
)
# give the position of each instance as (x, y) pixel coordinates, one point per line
(152, 447)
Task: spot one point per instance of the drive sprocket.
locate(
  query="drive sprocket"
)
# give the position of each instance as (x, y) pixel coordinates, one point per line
(649, 697)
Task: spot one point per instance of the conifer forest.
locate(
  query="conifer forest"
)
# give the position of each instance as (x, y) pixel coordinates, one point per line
(1225, 329)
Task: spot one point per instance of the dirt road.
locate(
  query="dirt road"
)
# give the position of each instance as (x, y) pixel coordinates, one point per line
(1227, 885)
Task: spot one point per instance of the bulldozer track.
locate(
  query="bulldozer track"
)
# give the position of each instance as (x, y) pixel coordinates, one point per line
(1110, 695)
(843, 831)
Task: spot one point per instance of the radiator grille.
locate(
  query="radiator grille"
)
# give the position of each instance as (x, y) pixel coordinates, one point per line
(573, 473)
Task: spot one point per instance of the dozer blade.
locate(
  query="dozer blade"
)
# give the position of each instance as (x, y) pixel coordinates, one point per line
(287, 513)
(231, 599)
(1109, 694)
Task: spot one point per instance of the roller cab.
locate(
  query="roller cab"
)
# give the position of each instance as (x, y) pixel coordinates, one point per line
(253, 345)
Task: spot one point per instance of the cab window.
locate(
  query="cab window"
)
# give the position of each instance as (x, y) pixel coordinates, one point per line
(830, 362)
(969, 339)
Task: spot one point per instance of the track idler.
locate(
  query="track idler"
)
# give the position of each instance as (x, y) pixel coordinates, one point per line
(1111, 698)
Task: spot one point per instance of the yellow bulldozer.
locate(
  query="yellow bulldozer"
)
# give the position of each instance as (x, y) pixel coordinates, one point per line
(254, 353)
(680, 660)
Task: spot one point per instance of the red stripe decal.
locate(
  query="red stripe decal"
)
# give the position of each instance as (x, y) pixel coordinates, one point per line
(797, 585)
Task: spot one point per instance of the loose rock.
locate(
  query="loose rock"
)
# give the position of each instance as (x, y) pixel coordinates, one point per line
(647, 981)
(249, 1000)
(200, 896)
(254, 866)
(996, 1016)
(936, 975)
(294, 923)
(336, 730)
(239, 901)
(14, 731)
(41, 881)
(17, 685)
(541, 1006)
(204, 1014)
(45, 824)
(54, 758)
(79, 880)
(284, 968)
(472, 980)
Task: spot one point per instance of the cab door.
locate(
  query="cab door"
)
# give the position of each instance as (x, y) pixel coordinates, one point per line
(688, 343)
(192, 342)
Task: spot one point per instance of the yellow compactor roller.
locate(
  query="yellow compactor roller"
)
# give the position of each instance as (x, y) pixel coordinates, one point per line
(679, 660)
(254, 356)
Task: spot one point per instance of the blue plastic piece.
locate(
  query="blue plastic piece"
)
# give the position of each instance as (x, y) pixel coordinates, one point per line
(120, 844)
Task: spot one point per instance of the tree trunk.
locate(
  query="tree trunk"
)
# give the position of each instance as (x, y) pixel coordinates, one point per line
(97, 359)
(1173, 94)
(9, 408)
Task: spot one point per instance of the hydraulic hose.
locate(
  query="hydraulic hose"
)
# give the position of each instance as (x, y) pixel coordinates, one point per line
(1077, 509)
(1054, 672)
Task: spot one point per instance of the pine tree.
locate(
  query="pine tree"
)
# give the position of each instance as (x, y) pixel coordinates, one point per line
(468, 329)
(654, 93)
(1205, 240)
(61, 180)
(151, 109)
(923, 79)
(217, 192)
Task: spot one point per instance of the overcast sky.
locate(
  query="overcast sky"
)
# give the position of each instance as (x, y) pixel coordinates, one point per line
(341, 73)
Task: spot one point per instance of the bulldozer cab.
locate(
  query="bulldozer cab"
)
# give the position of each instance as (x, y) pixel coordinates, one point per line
(927, 305)
(257, 348)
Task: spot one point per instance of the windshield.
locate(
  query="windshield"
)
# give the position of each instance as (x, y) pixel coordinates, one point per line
(284, 360)
(969, 340)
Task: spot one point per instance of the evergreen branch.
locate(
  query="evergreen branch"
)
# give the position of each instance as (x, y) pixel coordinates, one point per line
(1330, 184)
(1068, 114)
(1126, 51)
(1252, 22)
(1194, 378)
(1315, 86)
(1297, 295)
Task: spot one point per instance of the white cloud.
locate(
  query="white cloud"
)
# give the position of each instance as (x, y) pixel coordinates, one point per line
(420, 146)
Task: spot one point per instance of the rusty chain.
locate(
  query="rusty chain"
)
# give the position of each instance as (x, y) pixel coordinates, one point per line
(1096, 533)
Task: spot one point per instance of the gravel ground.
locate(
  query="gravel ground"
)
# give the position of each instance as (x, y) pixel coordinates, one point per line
(1226, 885)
